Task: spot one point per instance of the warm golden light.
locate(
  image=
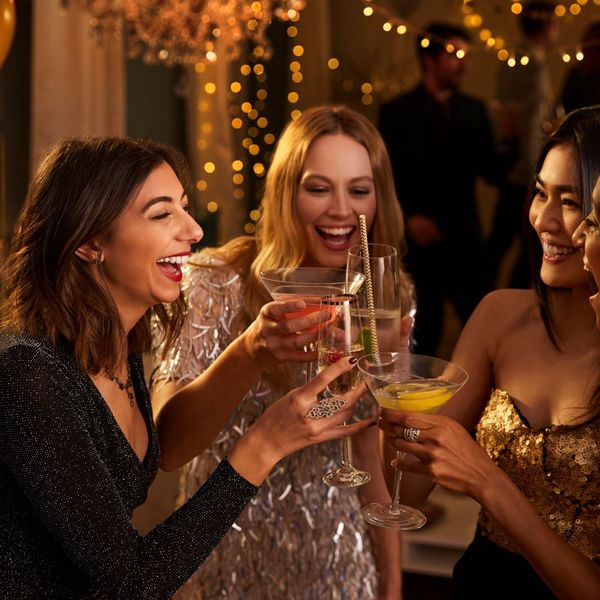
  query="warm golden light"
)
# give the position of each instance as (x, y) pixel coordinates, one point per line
(560, 10)
(262, 122)
(295, 66)
(516, 8)
(292, 31)
(235, 87)
(210, 87)
(424, 43)
(298, 50)
(367, 99)
(261, 94)
(249, 228)
(450, 48)
(259, 69)
(236, 123)
(238, 179)
(259, 169)
(245, 70)
(502, 54)
(237, 165)
(238, 194)
(524, 60)
(246, 107)
(297, 77)
(295, 114)
(333, 63)
(575, 9)
(366, 88)
(367, 11)
(511, 62)
(387, 26)
(201, 185)
(579, 55)
(484, 34)
(212, 207)
(292, 97)
(460, 53)
(209, 167)
(269, 138)
(255, 215)
(254, 149)
(566, 57)
(401, 29)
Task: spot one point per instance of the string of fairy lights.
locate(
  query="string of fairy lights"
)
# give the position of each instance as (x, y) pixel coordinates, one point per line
(474, 20)
(250, 127)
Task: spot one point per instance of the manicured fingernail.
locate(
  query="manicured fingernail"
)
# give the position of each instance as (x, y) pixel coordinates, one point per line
(299, 304)
(353, 360)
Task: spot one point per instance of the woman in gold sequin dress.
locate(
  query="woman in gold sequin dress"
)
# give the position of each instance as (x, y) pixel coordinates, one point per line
(536, 467)
(299, 539)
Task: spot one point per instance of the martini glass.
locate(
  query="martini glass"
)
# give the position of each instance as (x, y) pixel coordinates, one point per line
(309, 284)
(341, 335)
(407, 382)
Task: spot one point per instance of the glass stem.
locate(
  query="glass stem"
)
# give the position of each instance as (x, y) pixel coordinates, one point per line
(395, 505)
(346, 451)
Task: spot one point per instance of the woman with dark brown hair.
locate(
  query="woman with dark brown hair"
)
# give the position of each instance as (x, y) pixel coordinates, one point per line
(535, 464)
(97, 253)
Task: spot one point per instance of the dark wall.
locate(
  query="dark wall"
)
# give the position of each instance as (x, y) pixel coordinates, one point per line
(15, 117)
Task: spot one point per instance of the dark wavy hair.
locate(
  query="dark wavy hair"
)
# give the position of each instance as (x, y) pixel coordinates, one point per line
(78, 192)
(580, 130)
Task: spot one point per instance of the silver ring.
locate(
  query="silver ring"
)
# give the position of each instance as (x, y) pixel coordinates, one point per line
(411, 434)
(325, 408)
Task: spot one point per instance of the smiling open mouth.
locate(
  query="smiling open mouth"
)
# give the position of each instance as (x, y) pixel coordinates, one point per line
(170, 266)
(335, 237)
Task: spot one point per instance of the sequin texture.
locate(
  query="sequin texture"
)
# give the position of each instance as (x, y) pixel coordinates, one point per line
(298, 538)
(556, 468)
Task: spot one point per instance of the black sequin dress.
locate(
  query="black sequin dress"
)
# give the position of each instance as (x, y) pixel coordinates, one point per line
(69, 482)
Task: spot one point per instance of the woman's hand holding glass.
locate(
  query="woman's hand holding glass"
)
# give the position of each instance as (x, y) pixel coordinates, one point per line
(286, 427)
(273, 337)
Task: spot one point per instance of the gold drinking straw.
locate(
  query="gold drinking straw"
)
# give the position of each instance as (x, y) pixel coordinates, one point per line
(364, 242)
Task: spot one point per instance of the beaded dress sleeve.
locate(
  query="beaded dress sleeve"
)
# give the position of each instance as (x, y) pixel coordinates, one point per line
(298, 538)
(73, 481)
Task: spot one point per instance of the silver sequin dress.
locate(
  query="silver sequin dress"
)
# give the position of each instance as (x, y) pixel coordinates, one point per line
(298, 538)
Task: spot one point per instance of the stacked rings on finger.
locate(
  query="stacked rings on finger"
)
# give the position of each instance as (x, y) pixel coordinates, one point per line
(325, 408)
(411, 434)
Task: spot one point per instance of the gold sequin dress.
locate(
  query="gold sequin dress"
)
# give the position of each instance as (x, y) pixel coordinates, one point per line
(298, 539)
(558, 469)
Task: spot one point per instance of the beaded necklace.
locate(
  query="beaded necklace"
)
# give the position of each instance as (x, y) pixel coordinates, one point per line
(126, 386)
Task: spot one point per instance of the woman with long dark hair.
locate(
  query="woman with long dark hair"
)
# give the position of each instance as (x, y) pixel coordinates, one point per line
(535, 466)
(97, 254)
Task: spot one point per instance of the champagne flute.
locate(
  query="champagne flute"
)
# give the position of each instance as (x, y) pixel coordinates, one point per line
(408, 382)
(341, 336)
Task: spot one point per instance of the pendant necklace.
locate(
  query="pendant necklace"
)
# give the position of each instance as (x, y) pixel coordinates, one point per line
(126, 386)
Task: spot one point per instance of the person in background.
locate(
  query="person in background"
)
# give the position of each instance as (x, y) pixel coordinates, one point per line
(582, 84)
(440, 140)
(299, 538)
(535, 467)
(528, 114)
(96, 254)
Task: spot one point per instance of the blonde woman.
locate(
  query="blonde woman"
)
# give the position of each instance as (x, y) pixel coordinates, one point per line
(298, 539)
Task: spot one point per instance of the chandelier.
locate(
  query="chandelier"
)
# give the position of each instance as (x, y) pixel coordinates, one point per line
(187, 31)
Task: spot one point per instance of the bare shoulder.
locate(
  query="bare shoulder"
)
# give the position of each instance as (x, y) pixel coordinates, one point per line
(505, 307)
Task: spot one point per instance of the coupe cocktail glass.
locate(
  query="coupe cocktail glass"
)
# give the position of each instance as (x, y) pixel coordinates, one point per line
(309, 284)
(407, 382)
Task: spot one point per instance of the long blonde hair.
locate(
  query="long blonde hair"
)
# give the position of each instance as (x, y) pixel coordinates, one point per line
(279, 240)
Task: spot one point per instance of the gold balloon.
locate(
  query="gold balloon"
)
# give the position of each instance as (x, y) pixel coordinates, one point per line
(7, 27)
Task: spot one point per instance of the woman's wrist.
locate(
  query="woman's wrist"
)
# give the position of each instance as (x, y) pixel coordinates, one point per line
(254, 456)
